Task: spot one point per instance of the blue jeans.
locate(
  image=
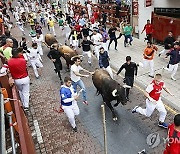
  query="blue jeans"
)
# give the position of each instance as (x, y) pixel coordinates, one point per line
(126, 39)
(81, 85)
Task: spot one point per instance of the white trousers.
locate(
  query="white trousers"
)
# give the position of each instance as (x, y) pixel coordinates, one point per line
(22, 30)
(96, 50)
(105, 45)
(36, 63)
(40, 50)
(52, 30)
(164, 51)
(150, 106)
(149, 63)
(88, 53)
(75, 44)
(71, 111)
(173, 69)
(109, 70)
(23, 89)
(66, 37)
(89, 13)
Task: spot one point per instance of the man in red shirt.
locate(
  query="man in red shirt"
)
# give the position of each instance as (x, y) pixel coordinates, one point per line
(149, 30)
(77, 27)
(19, 73)
(153, 101)
(96, 15)
(173, 145)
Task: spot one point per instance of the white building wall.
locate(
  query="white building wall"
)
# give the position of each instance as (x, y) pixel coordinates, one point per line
(144, 15)
(167, 3)
(145, 12)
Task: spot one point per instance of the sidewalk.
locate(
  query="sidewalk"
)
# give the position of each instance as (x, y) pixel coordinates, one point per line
(136, 53)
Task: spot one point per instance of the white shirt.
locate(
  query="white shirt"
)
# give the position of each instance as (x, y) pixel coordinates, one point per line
(96, 38)
(34, 54)
(75, 68)
(39, 41)
(89, 7)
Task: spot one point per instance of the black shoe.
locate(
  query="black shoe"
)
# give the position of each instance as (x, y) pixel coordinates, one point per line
(159, 55)
(127, 98)
(151, 76)
(163, 125)
(61, 82)
(115, 49)
(26, 109)
(75, 129)
(130, 43)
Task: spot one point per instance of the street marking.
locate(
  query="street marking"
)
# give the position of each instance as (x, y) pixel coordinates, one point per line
(139, 88)
(38, 132)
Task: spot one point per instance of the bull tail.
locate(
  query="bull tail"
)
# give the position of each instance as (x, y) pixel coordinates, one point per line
(97, 92)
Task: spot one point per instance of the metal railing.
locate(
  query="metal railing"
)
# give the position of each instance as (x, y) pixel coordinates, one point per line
(12, 135)
(2, 126)
(23, 135)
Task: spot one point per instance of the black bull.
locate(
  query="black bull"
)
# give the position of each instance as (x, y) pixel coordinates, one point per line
(109, 89)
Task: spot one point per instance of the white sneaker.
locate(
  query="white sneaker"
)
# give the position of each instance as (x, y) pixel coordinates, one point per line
(173, 78)
(141, 64)
(165, 68)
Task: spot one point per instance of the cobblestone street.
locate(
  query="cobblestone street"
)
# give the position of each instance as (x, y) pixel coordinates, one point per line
(58, 136)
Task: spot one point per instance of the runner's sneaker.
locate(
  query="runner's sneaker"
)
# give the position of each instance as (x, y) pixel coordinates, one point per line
(75, 129)
(134, 110)
(26, 109)
(85, 102)
(163, 125)
(141, 64)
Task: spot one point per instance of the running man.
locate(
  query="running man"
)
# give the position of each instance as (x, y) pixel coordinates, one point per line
(153, 100)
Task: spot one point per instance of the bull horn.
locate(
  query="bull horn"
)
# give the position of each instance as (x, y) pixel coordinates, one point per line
(80, 56)
(126, 86)
(114, 92)
(54, 44)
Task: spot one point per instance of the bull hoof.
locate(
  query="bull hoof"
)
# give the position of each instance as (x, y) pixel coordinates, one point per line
(115, 119)
(115, 105)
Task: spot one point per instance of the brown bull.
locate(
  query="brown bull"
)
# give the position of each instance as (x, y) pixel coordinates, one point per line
(66, 51)
(50, 39)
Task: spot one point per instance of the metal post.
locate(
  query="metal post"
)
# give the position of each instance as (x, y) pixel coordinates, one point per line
(104, 128)
(12, 135)
(2, 126)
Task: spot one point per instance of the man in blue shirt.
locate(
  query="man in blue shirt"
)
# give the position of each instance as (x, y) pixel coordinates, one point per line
(69, 101)
(104, 61)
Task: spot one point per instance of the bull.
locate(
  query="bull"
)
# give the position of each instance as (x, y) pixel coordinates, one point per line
(109, 89)
(66, 51)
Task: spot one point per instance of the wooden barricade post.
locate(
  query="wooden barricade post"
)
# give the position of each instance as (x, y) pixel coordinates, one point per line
(104, 128)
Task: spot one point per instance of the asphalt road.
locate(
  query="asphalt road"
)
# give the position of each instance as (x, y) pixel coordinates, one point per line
(128, 134)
